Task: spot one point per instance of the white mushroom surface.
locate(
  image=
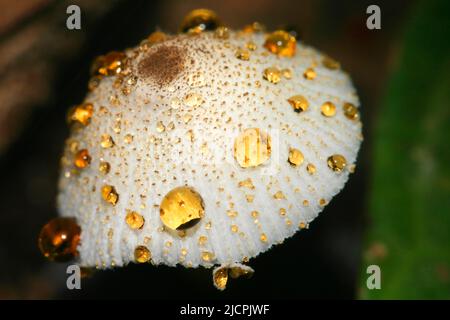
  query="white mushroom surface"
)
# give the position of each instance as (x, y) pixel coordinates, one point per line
(206, 150)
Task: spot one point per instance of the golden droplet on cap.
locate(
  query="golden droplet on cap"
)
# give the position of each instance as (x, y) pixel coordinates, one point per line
(202, 240)
(142, 254)
(134, 220)
(156, 37)
(128, 138)
(328, 109)
(181, 208)
(81, 113)
(263, 237)
(311, 169)
(106, 141)
(272, 75)
(287, 73)
(279, 195)
(104, 167)
(220, 278)
(222, 33)
(254, 27)
(252, 148)
(281, 43)
(59, 239)
(242, 54)
(250, 46)
(237, 271)
(207, 256)
(110, 64)
(299, 103)
(200, 20)
(330, 63)
(82, 159)
(247, 183)
(109, 194)
(296, 157)
(309, 74)
(350, 111)
(336, 162)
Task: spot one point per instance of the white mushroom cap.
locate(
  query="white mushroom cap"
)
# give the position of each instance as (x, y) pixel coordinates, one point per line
(178, 114)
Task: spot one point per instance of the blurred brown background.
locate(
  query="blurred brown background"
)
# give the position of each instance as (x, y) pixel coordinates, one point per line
(44, 70)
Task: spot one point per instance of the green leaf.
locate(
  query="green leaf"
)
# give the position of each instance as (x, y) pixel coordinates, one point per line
(409, 233)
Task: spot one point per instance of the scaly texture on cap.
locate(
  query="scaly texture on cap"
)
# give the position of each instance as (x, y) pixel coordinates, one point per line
(206, 149)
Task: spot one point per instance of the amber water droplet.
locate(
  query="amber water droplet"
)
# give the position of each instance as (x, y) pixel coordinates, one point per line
(142, 254)
(328, 109)
(309, 74)
(109, 194)
(82, 113)
(281, 42)
(134, 220)
(311, 168)
(160, 127)
(128, 138)
(250, 46)
(252, 148)
(200, 20)
(59, 238)
(254, 27)
(330, 63)
(287, 73)
(247, 183)
(236, 272)
(279, 195)
(350, 111)
(295, 157)
(110, 64)
(243, 54)
(272, 75)
(106, 141)
(263, 237)
(337, 162)
(193, 100)
(207, 256)
(222, 33)
(104, 167)
(221, 278)
(181, 208)
(82, 159)
(299, 103)
(202, 240)
(156, 37)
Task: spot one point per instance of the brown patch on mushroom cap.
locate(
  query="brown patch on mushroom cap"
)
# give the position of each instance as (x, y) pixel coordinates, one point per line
(163, 65)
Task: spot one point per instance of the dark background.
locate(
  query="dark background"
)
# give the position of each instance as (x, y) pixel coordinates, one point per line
(44, 70)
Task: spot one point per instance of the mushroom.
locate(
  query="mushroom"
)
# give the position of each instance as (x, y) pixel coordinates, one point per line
(204, 148)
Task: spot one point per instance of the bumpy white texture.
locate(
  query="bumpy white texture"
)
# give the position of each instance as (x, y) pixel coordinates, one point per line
(234, 97)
